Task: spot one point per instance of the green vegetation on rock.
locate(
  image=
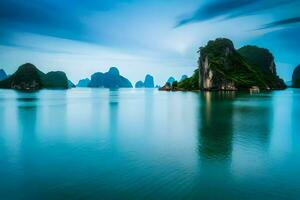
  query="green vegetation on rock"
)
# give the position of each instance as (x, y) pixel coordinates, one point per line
(191, 83)
(29, 77)
(259, 57)
(221, 67)
(55, 80)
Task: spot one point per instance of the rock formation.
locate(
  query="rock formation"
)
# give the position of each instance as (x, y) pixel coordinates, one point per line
(29, 78)
(183, 77)
(259, 57)
(221, 67)
(139, 84)
(149, 81)
(171, 80)
(296, 77)
(166, 87)
(54, 80)
(110, 79)
(83, 82)
(71, 84)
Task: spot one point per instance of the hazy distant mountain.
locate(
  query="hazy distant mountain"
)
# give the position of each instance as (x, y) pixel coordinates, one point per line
(139, 84)
(183, 77)
(110, 79)
(28, 77)
(3, 75)
(83, 82)
(171, 80)
(149, 81)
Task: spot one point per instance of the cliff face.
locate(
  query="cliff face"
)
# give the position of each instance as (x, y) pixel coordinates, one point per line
(296, 77)
(28, 77)
(110, 79)
(221, 67)
(215, 60)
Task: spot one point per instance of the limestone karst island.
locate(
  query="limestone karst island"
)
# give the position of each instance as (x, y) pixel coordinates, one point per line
(221, 67)
(150, 100)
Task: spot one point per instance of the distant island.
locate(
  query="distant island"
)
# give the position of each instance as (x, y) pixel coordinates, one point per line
(29, 78)
(148, 82)
(110, 79)
(296, 77)
(183, 77)
(171, 84)
(171, 80)
(222, 67)
(83, 83)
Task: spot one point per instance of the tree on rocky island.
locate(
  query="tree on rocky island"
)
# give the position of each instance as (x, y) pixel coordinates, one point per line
(222, 67)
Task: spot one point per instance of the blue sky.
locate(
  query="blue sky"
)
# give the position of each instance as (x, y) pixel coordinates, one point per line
(138, 36)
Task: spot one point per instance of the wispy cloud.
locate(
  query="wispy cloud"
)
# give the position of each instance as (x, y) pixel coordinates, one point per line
(293, 20)
(230, 9)
(60, 19)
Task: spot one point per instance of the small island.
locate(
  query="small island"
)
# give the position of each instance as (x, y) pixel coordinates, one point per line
(110, 79)
(148, 82)
(29, 78)
(83, 82)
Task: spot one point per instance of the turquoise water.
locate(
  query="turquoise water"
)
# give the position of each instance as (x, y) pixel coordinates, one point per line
(146, 144)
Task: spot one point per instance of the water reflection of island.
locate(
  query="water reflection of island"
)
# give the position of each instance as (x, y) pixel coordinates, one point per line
(226, 117)
(215, 131)
(215, 141)
(113, 128)
(230, 126)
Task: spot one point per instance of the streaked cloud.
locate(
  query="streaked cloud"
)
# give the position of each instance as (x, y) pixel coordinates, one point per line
(230, 9)
(64, 19)
(280, 23)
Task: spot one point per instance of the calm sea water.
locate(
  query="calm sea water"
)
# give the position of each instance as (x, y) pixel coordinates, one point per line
(146, 144)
